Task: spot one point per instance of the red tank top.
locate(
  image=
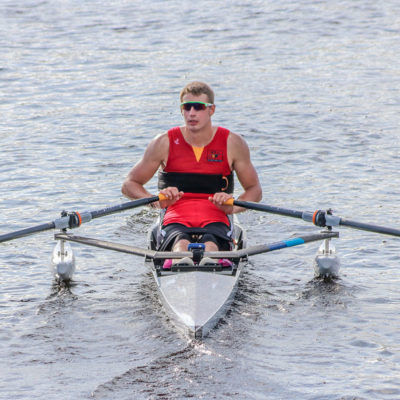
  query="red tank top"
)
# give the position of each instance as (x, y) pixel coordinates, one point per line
(194, 209)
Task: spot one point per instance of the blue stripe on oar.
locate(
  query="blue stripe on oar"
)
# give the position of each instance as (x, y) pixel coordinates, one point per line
(294, 242)
(286, 243)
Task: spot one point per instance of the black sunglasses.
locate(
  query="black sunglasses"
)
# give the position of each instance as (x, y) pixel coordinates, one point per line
(197, 105)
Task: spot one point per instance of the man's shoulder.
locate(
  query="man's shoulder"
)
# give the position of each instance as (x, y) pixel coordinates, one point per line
(238, 149)
(236, 139)
(161, 141)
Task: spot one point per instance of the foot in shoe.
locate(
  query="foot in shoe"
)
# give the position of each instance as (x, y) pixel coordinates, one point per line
(224, 262)
(167, 264)
(207, 261)
(185, 261)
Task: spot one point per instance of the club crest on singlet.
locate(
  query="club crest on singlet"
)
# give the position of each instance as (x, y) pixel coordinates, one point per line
(215, 156)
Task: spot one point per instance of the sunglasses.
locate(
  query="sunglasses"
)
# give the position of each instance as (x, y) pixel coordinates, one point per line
(197, 105)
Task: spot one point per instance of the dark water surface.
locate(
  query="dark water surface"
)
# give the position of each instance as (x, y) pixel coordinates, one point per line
(313, 86)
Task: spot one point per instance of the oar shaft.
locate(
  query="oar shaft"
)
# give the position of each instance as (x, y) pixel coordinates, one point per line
(370, 227)
(267, 208)
(27, 231)
(319, 218)
(75, 219)
(122, 207)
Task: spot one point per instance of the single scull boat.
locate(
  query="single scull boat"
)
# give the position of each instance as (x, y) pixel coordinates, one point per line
(197, 296)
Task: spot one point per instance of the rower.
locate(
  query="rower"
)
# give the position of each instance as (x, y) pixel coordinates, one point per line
(196, 163)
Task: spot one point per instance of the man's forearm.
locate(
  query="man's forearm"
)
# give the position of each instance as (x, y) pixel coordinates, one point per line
(134, 190)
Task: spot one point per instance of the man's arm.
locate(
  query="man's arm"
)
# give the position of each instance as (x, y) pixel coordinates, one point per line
(156, 155)
(239, 159)
(144, 170)
(244, 168)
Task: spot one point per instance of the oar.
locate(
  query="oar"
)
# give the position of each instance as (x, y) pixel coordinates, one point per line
(318, 218)
(75, 219)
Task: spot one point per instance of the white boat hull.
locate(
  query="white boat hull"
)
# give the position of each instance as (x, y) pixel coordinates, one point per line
(197, 300)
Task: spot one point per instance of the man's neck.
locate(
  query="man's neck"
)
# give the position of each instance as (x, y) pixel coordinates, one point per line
(199, 138)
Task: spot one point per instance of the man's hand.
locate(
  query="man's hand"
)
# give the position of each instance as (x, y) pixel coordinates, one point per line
(219, 199)
(172, 195)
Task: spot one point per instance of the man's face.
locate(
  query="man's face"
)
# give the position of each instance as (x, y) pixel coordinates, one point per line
(196, 120)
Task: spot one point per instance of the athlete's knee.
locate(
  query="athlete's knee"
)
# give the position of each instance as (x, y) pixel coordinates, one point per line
(181, 245)
(211, 246)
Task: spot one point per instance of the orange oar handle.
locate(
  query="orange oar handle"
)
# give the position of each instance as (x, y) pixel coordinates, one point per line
(229, 202)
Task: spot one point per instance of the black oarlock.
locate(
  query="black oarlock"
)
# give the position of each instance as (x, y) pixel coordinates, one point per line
(74, 219)
(319, 218)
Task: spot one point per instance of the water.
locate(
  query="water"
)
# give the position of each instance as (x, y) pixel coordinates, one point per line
(313, 86)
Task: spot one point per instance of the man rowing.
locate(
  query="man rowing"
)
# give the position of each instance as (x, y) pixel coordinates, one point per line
(196, 163)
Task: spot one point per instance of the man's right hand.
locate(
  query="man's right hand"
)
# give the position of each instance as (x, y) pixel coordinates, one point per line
(172, 195)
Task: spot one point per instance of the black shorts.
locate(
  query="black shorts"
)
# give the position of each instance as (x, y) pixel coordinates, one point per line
(216, 232)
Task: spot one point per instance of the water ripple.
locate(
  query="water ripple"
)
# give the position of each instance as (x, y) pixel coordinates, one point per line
(314, 89)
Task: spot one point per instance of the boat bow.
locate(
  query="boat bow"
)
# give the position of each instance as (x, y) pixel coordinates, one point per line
(197, 300)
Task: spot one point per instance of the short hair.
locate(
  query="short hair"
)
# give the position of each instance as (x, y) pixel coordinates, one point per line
(196, 89)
